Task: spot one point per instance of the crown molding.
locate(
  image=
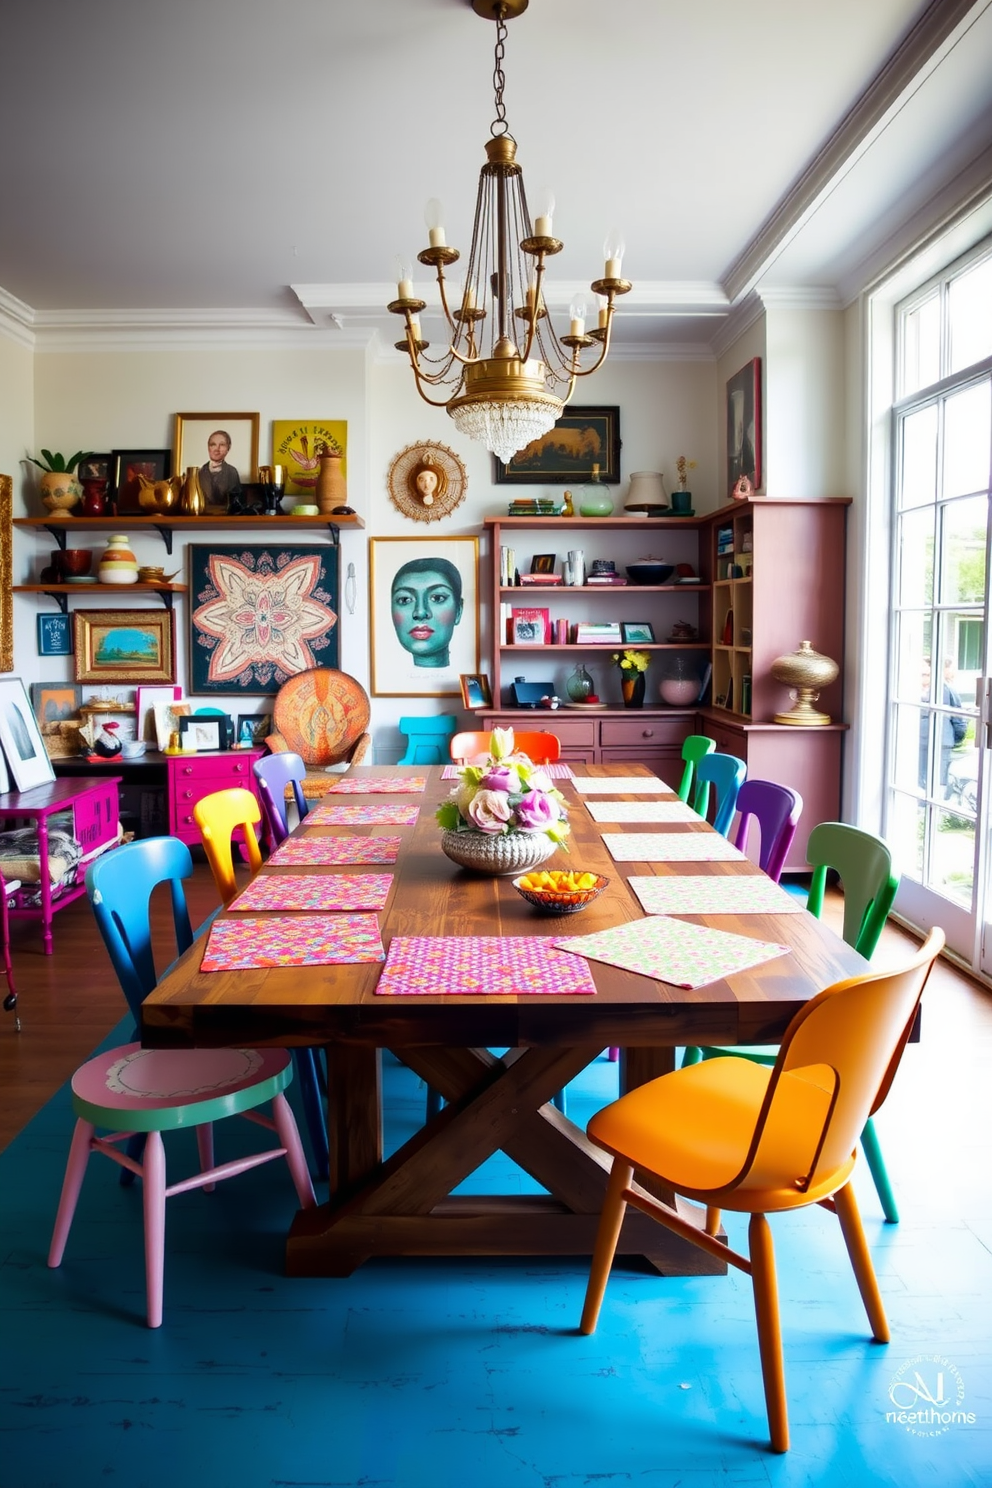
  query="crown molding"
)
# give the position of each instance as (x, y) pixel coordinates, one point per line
(16, 320)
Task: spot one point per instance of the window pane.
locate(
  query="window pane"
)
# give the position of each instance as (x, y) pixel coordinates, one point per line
(921, 346)
(919, 457)
(970, 312)
(910, 755)
(915, 582)
(967, 431)
(905, 835)
(964, 525)
(912, 652)
(952, 861)
(970, 644)
(962, 779)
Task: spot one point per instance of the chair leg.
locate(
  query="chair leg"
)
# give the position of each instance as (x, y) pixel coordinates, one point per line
(864, 1272)
(75, 1171)
(713, 1217)
(205, 1151)
(285, 1122)
(153, 1183)
(558, 1099)
(607, 1238)
(135, 1150)
(613, 1053)
(313, 1107)
(765, 1285)
(690, 1055)
(433, 1103)
(876, 1163)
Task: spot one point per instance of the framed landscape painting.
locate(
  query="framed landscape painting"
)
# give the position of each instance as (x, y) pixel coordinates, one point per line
(260, 615)
(582, 438)
(125, 645)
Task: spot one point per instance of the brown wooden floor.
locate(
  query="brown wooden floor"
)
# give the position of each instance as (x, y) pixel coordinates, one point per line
(69, 1001)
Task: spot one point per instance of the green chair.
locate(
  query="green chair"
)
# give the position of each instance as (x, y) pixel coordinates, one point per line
(427, 739)
(864, 865)
(695, 748)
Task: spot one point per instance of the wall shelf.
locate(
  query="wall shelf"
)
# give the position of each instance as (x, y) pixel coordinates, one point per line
(60, 592)
(59, 528)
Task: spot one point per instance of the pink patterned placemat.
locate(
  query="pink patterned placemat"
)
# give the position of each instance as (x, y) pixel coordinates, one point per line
(622, 785)
(704, 893)
(670, 847)
(673, 950)
(304, 940)
(557, 772)
(390, 814)
(488, 965)
(641, 811)
(319, 891)
(376, 785)
(329, 851)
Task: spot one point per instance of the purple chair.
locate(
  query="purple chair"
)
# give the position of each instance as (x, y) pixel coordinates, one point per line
(777, 810)
(274, 772)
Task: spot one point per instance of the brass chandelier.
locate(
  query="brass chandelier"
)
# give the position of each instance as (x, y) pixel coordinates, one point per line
(495, 391)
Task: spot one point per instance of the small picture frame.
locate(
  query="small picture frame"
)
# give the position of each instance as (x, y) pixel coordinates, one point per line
(637, 632)
(125, 469)
(253, 729)
(21, 738)
(54, 635)
(168, 717)
(53, 702)
(203, 735)
(529, 627)
(147, 700)
(543, 563)
(94, 468)
(476, 692)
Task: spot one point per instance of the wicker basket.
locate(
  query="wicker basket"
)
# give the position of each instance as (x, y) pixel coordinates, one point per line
(499, 854)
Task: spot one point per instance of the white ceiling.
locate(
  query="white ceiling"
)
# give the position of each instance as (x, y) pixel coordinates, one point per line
(240, 163)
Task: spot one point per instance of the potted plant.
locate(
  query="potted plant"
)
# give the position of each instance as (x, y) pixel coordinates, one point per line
(505, 815)
(633, 665)
(60, 489)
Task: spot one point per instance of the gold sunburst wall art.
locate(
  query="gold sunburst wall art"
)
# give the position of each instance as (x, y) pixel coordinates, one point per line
(427, 481)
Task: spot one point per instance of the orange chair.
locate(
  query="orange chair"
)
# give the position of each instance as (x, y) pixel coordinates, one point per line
(740, 1136)
(542, 748)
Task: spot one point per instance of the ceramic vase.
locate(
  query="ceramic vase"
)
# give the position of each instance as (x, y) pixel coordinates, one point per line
(332, 488)
(192, 502)
(60, 492)
(118, 564)
(500, 854)
(632, 686)
(594, 499)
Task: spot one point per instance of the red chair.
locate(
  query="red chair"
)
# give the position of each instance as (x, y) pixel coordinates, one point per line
(542, 748)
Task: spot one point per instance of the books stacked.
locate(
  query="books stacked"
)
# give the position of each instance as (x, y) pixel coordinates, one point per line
(534, 506)
(606, 578)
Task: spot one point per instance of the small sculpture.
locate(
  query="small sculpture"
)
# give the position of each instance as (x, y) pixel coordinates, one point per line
(160, 495)
(107, 744)
(742, 488)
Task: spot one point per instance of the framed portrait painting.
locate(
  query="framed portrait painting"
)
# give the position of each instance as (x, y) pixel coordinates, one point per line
(582, 438)
(125, 645)
(744, 427)
(126, 467)
(223, 447)
(260, 615)
(425, 614)
(27, 757)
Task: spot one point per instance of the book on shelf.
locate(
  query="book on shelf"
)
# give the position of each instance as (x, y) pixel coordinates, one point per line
(613, 578)
(606, 634)
(539, 578)
(529, 627)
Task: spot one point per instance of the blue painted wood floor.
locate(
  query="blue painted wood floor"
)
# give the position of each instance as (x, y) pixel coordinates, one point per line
(471, 1375)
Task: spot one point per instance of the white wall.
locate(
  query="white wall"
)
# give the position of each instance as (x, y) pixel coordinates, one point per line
(805, 404)
(16, 412)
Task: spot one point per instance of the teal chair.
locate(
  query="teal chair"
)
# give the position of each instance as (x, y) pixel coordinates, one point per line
(725, 772)
(864, 865)
(428, 740)
(695, 748)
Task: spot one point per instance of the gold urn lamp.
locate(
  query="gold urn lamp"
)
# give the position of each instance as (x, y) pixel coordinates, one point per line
(806, 672)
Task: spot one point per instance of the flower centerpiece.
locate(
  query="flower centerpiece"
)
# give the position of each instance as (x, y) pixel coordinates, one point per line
(504, 816)
(633, 665)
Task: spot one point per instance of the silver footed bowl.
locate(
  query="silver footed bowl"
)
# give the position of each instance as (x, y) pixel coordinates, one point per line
(498, 854)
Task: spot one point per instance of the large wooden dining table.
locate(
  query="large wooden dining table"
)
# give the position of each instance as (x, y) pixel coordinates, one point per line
(403, 1205)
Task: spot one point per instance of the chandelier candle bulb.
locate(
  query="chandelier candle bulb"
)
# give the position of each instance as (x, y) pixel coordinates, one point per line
(432, 220)
(603, 317)
(613, 251)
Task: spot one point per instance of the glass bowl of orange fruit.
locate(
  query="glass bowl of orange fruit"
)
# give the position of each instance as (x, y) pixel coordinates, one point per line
(560, 891)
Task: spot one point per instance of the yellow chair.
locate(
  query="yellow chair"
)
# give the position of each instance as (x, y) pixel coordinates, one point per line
(218, 818)
(740, 1136)
(540, 747)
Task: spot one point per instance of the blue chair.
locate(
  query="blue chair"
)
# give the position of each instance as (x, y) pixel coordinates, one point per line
(277, 773)
(725, 772)
(427, 739)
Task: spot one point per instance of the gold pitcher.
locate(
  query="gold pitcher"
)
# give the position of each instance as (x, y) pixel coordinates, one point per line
(192, 503)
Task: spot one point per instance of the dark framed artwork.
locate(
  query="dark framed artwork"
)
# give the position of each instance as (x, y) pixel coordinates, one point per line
(260, 615)
(54, 635)
(637, 632)
(126, 466)
(205, 735)
(252, 729)
(94, 468)
(582, 438)
(744, 426)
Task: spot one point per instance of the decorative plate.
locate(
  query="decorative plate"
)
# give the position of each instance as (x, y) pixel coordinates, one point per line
(427, 481)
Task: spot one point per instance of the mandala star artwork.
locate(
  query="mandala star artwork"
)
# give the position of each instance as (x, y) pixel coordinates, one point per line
(263, 619)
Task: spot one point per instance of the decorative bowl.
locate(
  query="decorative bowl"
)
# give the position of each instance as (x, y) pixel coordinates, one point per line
(679, 692)
(304, 509)
(650, 571)
(561, 901)
(73, 561)
(499, 854)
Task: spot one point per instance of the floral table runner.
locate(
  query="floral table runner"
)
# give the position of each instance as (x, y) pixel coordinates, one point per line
(670, 847)
(304, 940)
(319, 891)
(488, 965)
(329, 851)
(376, 785)
(673, 950)
(390, 814)
(704, 893)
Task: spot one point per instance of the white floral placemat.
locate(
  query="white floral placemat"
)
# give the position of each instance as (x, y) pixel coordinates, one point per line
(644, 785)
(670, 847)
(704, 893)
(641, 811)
(673, 950)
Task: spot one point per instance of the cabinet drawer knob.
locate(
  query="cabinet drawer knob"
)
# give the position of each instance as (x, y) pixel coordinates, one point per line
(187, 769)
(647, 733)
(187, 794)
(239, 769)
(187, 819)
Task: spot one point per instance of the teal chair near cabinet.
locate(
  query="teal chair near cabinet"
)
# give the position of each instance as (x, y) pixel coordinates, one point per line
(428, 740)
(864, 865)
(725, 772)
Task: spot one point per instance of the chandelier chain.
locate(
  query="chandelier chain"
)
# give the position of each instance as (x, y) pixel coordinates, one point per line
(499, 125)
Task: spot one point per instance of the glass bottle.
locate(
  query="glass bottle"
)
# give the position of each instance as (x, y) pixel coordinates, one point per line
(580, 685)
(594, 499)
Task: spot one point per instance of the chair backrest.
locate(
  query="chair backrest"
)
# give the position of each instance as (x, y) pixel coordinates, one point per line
(725, 772)
(777, 810)
(119, 887)
(848, 1041)
(863, 863)
(321, 714)
(695, 748)
(218, 818)
(541, 747)
(275, 773)
(427, 739)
